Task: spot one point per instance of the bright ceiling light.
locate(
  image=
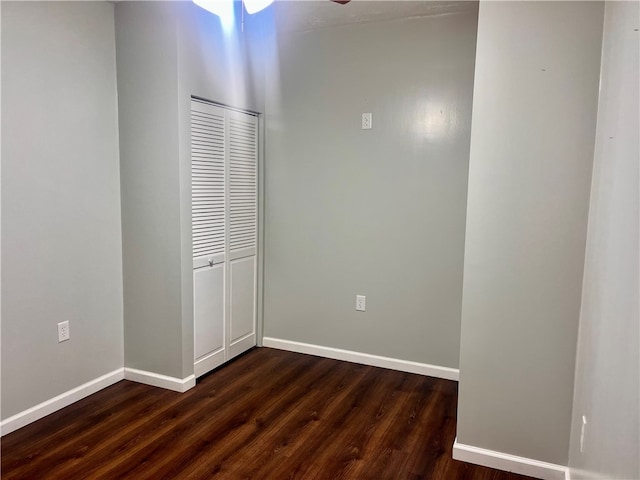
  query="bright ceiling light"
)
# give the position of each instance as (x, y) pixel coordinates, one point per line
(254, 6)
(224, 8)
(217, 7)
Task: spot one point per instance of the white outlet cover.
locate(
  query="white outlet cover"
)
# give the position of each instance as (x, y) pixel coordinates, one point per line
(63, 331)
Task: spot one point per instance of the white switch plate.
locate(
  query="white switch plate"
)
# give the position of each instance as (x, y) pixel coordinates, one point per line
(361, 303)
(63, 331)
(366, 121)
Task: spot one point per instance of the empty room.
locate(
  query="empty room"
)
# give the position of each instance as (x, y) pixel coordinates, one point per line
(320, 239)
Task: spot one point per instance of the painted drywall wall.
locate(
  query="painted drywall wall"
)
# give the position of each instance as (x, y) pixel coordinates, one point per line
(148, 119)
(61, 238)
(607, 389)
(532, 138)
(377, 212)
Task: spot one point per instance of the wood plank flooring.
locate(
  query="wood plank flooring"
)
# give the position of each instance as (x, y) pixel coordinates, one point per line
(269, 414)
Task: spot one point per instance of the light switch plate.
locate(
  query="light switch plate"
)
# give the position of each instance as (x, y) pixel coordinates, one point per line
(366, 121)
(361, 303)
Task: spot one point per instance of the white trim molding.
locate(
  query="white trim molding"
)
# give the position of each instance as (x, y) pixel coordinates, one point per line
(509, 463)
(163, 381)
(65, 399)
(54, 404)
(589, 475)
(363, 358)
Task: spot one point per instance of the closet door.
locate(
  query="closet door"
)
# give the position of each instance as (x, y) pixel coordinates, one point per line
(242, 174)
(224, 202)
(208, 217)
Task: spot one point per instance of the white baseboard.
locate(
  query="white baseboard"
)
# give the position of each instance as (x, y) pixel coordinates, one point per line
(509, 463)
(363, 358)
(590, 475)
(163, 381)
(54, 404)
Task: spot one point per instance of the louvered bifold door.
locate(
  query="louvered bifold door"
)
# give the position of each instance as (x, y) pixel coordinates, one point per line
(242, 168)
(208, 183)
(243, 173)
(208, 220)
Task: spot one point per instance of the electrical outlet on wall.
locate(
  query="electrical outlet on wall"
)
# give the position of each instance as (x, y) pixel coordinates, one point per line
(63, 331)
(361, 303)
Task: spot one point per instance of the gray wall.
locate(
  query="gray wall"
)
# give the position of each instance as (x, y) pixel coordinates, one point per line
(607, 389)
(61, 243)
(376, 212)
(148, 119)
(532, 138)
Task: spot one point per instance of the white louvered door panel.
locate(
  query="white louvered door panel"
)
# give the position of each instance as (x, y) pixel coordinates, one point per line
(242, 133)
(242, 168)
(208, 215)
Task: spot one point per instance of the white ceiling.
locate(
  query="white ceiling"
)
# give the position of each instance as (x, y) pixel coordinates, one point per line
(302, 15)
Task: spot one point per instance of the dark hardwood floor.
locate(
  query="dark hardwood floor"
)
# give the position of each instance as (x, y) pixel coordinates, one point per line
(269, 414)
